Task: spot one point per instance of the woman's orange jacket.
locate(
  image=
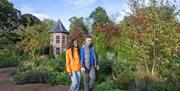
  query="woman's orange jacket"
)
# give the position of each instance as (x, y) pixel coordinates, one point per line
(72, 63)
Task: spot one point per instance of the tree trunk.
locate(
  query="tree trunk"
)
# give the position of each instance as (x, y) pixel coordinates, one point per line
(144, 59)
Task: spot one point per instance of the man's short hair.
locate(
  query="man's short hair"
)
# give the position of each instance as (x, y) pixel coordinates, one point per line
(88, 36)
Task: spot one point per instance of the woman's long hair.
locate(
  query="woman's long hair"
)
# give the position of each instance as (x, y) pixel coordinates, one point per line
(71, 46)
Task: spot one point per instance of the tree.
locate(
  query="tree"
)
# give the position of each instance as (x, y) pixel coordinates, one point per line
(35, 38)
(11, 18)
(29, 20)
(154, 35)
(8, 15)
(12, 21)
(77, 33)
(105, 38)
(109, 32)
(99, 16)
(78, 23)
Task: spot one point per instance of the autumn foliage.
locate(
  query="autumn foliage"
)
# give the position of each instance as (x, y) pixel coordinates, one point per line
(77, 33)
(110, 32)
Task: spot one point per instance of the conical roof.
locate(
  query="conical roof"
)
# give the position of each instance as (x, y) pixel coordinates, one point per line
(58, 27)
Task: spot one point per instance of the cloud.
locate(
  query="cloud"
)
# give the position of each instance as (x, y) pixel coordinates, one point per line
(26, 9)
(40, 16)
(82, 3)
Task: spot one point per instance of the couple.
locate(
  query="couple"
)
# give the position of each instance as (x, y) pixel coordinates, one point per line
(83, 59)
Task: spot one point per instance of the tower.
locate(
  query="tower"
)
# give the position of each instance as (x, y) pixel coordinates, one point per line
(58, 38)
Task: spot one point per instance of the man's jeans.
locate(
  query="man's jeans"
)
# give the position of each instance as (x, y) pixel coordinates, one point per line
(89, 78)
(75, 78)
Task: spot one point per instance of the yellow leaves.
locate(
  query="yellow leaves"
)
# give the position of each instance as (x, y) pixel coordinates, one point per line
(167, 61)
(33, 39)
(178, 65)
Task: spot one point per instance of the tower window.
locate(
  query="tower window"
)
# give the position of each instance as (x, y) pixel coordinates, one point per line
(63, 39)
(57, 50)
(57, 39)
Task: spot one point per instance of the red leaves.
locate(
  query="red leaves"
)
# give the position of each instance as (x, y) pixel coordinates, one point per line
(77, 33)
(110, 32)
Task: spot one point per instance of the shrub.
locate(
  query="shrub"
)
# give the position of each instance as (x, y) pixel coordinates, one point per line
(105, 71)
(124, 79)
(122, 65)
(106, 67)
(144, 84)
(170, 83)
(101, 78)
(16, 77)
(42, 71)
(31, 76)
(106, 86)
(59, 78)
(30, 64)
(58, 64)
(8, 59)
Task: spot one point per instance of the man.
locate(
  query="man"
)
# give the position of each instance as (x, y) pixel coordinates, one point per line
(88, 64)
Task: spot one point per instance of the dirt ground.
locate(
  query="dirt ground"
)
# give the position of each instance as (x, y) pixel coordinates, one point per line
(6, 85)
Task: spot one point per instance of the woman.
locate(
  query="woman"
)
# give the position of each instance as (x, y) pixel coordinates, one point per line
(73, 64)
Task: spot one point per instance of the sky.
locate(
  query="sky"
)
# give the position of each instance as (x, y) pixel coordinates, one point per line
(65, 9)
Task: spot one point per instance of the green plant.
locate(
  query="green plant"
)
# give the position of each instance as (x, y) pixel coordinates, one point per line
(125, 79)
(59, 78)
(143, 84)
(30, 64)
(50, 71)
(31, 76)
(58, 63)
(169, 83)
(16, 77)
(106, 86)
(120, 65)
(9, 59)
(106, 66)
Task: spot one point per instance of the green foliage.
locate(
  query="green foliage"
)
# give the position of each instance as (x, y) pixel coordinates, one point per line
(144, 84)
(7, 59)
(170, 83)
(8, 39)
(106, 70)
(51, 71)
(16, 77)
(8, 15)
(62, 56)
(106, 86)
(49, 65)
(58, 64)
(149, 42)
(127, 49)
(10, 59)
(78, 23)
(147, 37)
(35, 38)
(29, 20)
(106, 67)
(166, 68)
(99, 16)
(107, 33)
(125, 79)
(51, 54)
(11, 18)
(31, 76)
(59, 78)
(101, 48)
(120, 65)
